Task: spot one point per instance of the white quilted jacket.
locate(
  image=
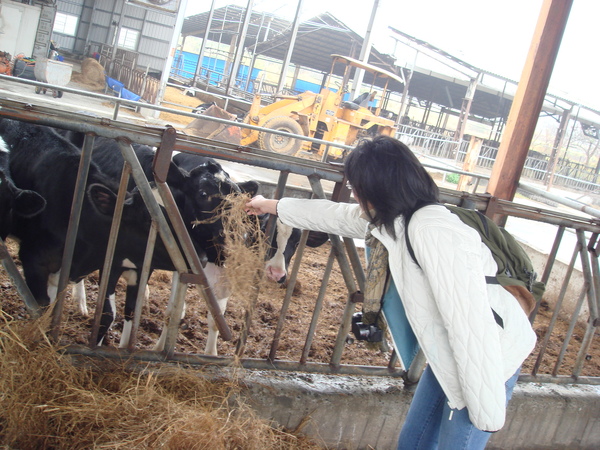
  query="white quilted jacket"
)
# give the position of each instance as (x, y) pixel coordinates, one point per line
(447, 301)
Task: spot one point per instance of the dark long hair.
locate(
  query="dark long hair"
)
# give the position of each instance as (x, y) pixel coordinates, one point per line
(387, 175)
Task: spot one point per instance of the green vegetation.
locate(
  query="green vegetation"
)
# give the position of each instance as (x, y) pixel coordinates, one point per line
(452, 178)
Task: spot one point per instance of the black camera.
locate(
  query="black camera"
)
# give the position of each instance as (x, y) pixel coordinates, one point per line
(364, 332)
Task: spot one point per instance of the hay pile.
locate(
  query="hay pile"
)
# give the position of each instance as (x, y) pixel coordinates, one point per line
(48, 402)
(245, 248)
(92, 74)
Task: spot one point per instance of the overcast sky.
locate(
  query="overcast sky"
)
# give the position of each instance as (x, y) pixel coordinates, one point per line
(489, 34)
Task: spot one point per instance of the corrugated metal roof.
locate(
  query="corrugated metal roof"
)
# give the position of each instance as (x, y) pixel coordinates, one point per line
(226, 23)
(323, 35)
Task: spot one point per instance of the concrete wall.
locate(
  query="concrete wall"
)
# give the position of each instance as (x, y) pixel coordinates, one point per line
(344, 412)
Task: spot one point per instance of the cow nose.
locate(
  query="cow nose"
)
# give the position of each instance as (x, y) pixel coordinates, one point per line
(276, 274)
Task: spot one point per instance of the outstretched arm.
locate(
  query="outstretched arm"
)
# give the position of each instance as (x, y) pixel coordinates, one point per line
(261, 205)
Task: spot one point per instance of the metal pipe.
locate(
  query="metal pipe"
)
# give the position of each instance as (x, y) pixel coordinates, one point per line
(586, 343)
(317, 308)
(11, 268)
(416, 367)
(557, 307)
(110, 252)
(563, 201)
(142, 283)
(195, 359)
(548, 268)
(72, 229)
(356, 263)
(288, 295)
(350, 283)
(178, 291)
(569, 333)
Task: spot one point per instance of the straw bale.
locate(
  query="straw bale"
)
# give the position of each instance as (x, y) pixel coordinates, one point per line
(47, 401)
(92, 74)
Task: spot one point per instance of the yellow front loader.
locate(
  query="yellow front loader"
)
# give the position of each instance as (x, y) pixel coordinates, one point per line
(322, 116)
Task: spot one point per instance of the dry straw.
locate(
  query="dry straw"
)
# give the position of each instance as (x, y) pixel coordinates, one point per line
(245, 249)
(47, 401)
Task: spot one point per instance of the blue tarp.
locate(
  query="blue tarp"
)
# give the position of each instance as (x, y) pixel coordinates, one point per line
(119, 90)
(115, 85)
(128, 95)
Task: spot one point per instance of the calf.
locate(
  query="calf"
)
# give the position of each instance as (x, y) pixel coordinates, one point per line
(283, 246)
(285, 239)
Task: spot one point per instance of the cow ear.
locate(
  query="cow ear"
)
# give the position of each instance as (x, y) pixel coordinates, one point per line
(316, 239)
(176, 177)
(29, 203)
(249, 187)
(103, 198)
(213, 167)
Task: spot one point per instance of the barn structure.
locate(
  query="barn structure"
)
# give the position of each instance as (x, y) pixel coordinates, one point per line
(142, 44)
(559, 410)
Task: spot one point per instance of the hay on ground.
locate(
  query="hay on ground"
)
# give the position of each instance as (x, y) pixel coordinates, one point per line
(48, 402)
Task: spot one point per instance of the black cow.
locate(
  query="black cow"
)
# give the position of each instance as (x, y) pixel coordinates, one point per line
(14, 202)
(202, 107)
(44, 161)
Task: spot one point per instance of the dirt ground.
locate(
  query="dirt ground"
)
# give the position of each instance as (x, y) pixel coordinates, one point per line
(264, 321)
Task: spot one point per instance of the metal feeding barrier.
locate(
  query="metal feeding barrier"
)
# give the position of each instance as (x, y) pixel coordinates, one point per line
(343, 251)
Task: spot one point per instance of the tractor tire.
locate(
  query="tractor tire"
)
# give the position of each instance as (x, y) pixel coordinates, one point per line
(278, 143)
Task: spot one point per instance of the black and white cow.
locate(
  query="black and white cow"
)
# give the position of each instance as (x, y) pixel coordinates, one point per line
(14, 202)
(285, 239)
(283, 245)
(42, 160)
(198, 194)
(202, 107)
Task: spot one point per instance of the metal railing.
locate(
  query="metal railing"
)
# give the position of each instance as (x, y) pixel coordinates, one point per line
(342, 250)
(442, 146)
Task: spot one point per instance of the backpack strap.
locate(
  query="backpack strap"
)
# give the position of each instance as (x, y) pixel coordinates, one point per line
(411, 252)
(406, 222)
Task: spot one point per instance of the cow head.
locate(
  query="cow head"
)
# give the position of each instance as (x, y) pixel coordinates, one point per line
(200, 199)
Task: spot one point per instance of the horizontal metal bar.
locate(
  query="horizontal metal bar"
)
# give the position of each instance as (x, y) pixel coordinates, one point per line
(152, 136)
(559, 379)
(247, 363)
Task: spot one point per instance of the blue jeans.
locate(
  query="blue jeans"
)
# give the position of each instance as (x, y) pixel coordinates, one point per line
(432, 424)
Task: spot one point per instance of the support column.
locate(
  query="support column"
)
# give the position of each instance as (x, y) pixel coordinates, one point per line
(558, 142)
(290, 50)
(466, 108)
(198, 72)
(528, 100)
